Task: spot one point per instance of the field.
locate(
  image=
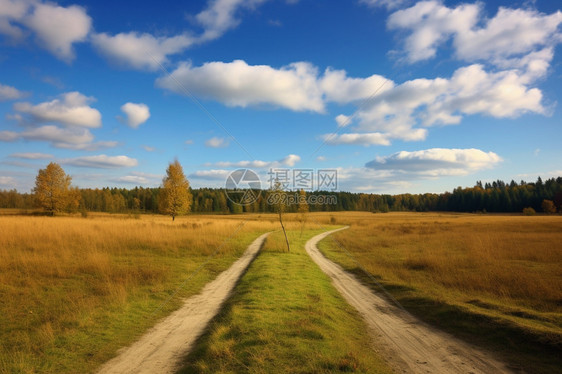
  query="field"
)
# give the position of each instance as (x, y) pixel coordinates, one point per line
(76, 289)
(493, 279)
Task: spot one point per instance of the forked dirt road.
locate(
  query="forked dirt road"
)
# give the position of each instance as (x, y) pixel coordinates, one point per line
(161, 349)
(409, 345)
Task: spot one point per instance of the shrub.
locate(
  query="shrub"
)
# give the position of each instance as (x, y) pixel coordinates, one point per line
(529, 211)
(548, 206)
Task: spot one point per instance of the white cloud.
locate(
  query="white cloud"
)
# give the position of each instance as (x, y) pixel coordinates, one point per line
(188, 142)
(148, 148)
(403, 111)
(87, 146)
(7, 181)
(510, 33)
(8, 136)
(140, 51)
(32, 156)
(366, 139)
(388, 4)
(57, 28)
(214, 174)
(147, 52)
(340, 88)
(12, 11)
(436, 162)
(10, 93)
(289, 160)
(343, 120)
(220, 16)
(321, 158)
(216, 142)
(72, 109)
(431, 24)
(132, 179)
(137, 114)
(102, 161)
(236, 83)
(66, 138)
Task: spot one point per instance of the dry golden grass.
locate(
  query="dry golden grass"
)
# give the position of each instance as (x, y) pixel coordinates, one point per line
(492, 278)
(514, 260)
(73, 289)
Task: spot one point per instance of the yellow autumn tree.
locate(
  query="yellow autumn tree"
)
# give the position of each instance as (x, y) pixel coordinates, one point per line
(175, 198)
(52, 189)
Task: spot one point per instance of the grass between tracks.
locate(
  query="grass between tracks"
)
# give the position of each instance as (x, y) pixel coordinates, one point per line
(285, 317)
(495, 280)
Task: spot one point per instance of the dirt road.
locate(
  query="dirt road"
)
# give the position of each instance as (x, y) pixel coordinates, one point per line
(163, 346)
(410, 345)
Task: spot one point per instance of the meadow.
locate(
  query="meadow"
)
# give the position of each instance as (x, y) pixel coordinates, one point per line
(491, 279)
(75, 289)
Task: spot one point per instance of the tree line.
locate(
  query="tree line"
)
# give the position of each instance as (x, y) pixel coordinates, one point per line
(176, 197)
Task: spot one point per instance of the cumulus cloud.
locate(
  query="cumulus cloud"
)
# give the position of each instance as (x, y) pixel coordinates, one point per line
(388, 4)
(140, 51)
(343, 120)
(214, 174)
(8, 136)
(7, 181)
(510, 33)
(144, 51)
(131, 179)
(366, 139)
(216, 142)
(10, 93)
(221, 16)
(436, 162)
(102, 161)
(404, 111)
(137, 114)
(289, 160)
(65, 138)
(32, 156)
(339, 88)
(57, 28)
(236, 83)
(71, 109)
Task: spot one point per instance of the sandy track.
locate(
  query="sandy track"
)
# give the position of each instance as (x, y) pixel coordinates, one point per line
(410, 345)
(161, 349)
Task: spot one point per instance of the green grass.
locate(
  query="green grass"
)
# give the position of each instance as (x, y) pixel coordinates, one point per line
(285, 317)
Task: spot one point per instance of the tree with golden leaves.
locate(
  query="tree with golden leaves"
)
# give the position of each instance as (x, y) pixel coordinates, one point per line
(175, 198)
(52, 189)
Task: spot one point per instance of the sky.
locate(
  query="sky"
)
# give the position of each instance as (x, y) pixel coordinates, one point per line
(395, 96)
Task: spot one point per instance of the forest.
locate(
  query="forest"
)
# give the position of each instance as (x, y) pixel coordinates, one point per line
(496, 197)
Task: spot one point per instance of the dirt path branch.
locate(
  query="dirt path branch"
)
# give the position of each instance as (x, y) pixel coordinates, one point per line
(161, 349)
(410, 345)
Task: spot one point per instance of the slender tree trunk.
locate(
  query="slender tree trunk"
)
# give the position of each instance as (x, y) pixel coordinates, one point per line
(283, 227)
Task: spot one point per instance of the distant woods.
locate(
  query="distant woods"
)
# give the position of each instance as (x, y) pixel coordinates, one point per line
(497, 197)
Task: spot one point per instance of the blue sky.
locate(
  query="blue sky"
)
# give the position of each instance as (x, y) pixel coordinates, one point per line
(397, 96)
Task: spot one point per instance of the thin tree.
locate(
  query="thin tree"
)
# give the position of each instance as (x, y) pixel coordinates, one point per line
(52, 189)
(279, 202)
(175, 198)
(302, 209)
